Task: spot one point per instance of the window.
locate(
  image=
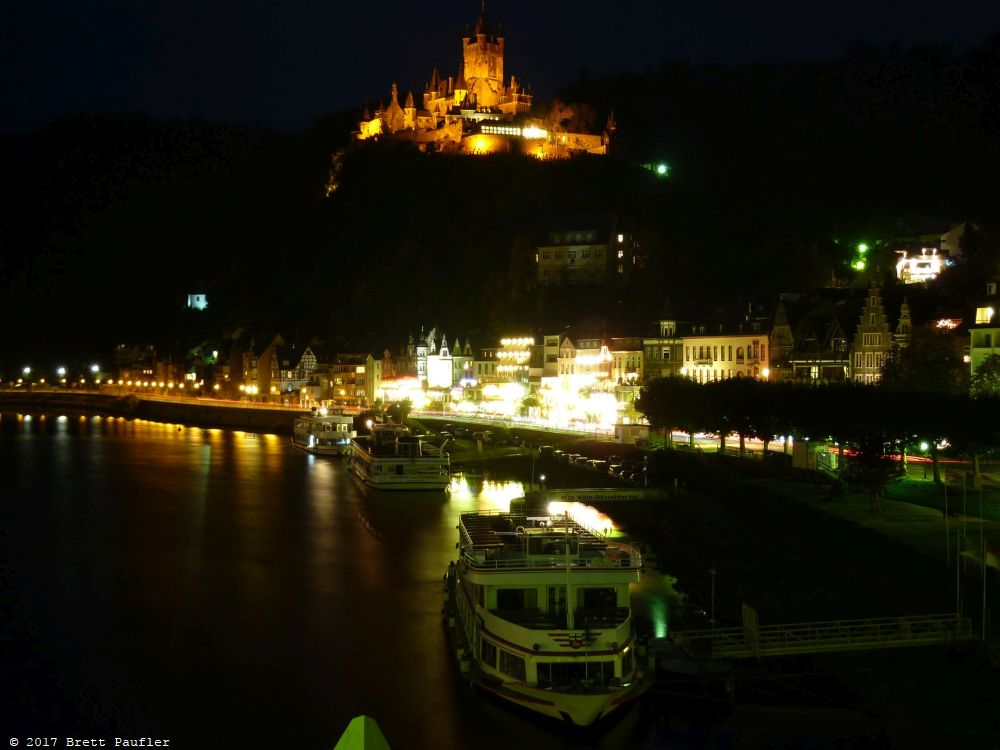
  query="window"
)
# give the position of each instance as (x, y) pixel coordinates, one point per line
(600, 597)
(517, 598)
(488, 653)
(512, 665)
(666, 355)
(545, 254)
(567, 674)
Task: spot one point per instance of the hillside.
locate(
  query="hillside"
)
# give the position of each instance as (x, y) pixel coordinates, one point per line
(775, 171)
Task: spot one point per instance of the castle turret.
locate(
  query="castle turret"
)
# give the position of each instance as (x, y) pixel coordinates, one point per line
(409, 112)
(461, 89)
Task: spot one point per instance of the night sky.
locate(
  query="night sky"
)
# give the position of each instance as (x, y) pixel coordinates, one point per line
(284, 64)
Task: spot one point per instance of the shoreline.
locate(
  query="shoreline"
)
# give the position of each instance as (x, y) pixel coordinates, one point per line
(190, 412)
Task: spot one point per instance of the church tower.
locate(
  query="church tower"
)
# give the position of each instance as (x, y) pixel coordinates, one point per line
(483, 63)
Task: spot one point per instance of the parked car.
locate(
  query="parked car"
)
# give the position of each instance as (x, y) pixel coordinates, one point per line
(545, 450)
(598, 464)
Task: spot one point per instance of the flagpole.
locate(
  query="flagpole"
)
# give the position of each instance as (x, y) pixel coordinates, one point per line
(982, 550)
(958, 576)
(947, 535)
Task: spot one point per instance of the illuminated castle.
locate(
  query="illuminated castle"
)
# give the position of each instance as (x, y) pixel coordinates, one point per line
(475, 112)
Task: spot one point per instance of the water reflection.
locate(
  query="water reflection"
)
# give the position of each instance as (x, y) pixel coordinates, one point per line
(235, 576)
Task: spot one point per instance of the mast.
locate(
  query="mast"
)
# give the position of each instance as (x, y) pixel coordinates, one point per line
(570, 619)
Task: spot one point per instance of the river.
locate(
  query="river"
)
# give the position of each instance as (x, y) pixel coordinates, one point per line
(221, 589)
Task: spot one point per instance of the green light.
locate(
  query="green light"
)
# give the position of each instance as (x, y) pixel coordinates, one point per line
(859, 265)
(862, 247)
(663, 169)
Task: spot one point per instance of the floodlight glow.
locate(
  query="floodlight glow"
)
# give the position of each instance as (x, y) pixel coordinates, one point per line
(862, 248)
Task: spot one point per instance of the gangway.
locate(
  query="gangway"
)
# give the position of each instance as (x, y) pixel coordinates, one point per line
(822, 637)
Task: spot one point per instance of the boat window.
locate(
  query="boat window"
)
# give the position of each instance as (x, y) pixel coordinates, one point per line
(517, 598)
(602, 597)
(628, 663)
(511, 665)
(488, 653)
(563, 674)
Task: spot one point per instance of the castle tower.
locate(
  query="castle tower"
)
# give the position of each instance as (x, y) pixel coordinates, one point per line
(482, 55)
(394, 118)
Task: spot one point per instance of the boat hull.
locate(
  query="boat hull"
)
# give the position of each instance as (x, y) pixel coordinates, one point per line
(323, 450)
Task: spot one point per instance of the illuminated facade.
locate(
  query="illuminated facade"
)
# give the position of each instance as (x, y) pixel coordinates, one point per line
(984, 334)
(724, 356)
(477, 111)
(914, 268)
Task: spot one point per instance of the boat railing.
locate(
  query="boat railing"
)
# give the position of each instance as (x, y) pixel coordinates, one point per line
(491, 558)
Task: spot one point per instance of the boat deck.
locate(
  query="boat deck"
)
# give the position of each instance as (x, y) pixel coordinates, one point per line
(516, 540)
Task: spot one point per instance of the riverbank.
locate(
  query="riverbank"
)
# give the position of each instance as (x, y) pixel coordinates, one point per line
(192, 412)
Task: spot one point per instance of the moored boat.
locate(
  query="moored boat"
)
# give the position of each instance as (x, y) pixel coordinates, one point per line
(393, 458)
(538, 611)
(324, 432)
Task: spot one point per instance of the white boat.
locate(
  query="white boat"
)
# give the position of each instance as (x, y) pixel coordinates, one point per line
(324, 432)
(538, 610)
(393, 458)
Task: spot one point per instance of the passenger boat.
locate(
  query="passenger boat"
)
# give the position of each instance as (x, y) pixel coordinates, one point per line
(324, 433)
(538, 611)
(393, 458)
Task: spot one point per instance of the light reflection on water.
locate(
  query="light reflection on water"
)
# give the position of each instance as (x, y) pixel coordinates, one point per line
(230, 564)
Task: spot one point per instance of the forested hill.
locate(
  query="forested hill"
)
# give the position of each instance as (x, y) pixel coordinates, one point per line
(111, 222)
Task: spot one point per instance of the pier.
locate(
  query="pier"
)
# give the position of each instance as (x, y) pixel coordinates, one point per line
(751, 641)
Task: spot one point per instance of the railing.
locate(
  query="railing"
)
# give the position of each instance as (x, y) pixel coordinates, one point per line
(819, 637)
(488, 558)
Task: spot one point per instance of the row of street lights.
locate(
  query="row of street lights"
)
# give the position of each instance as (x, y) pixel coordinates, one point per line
(26, 371)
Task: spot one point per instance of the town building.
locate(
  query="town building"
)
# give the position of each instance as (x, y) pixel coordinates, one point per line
(874, 340)
(663, 354)
(722, 356)
(586, 249)
(984, 333)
